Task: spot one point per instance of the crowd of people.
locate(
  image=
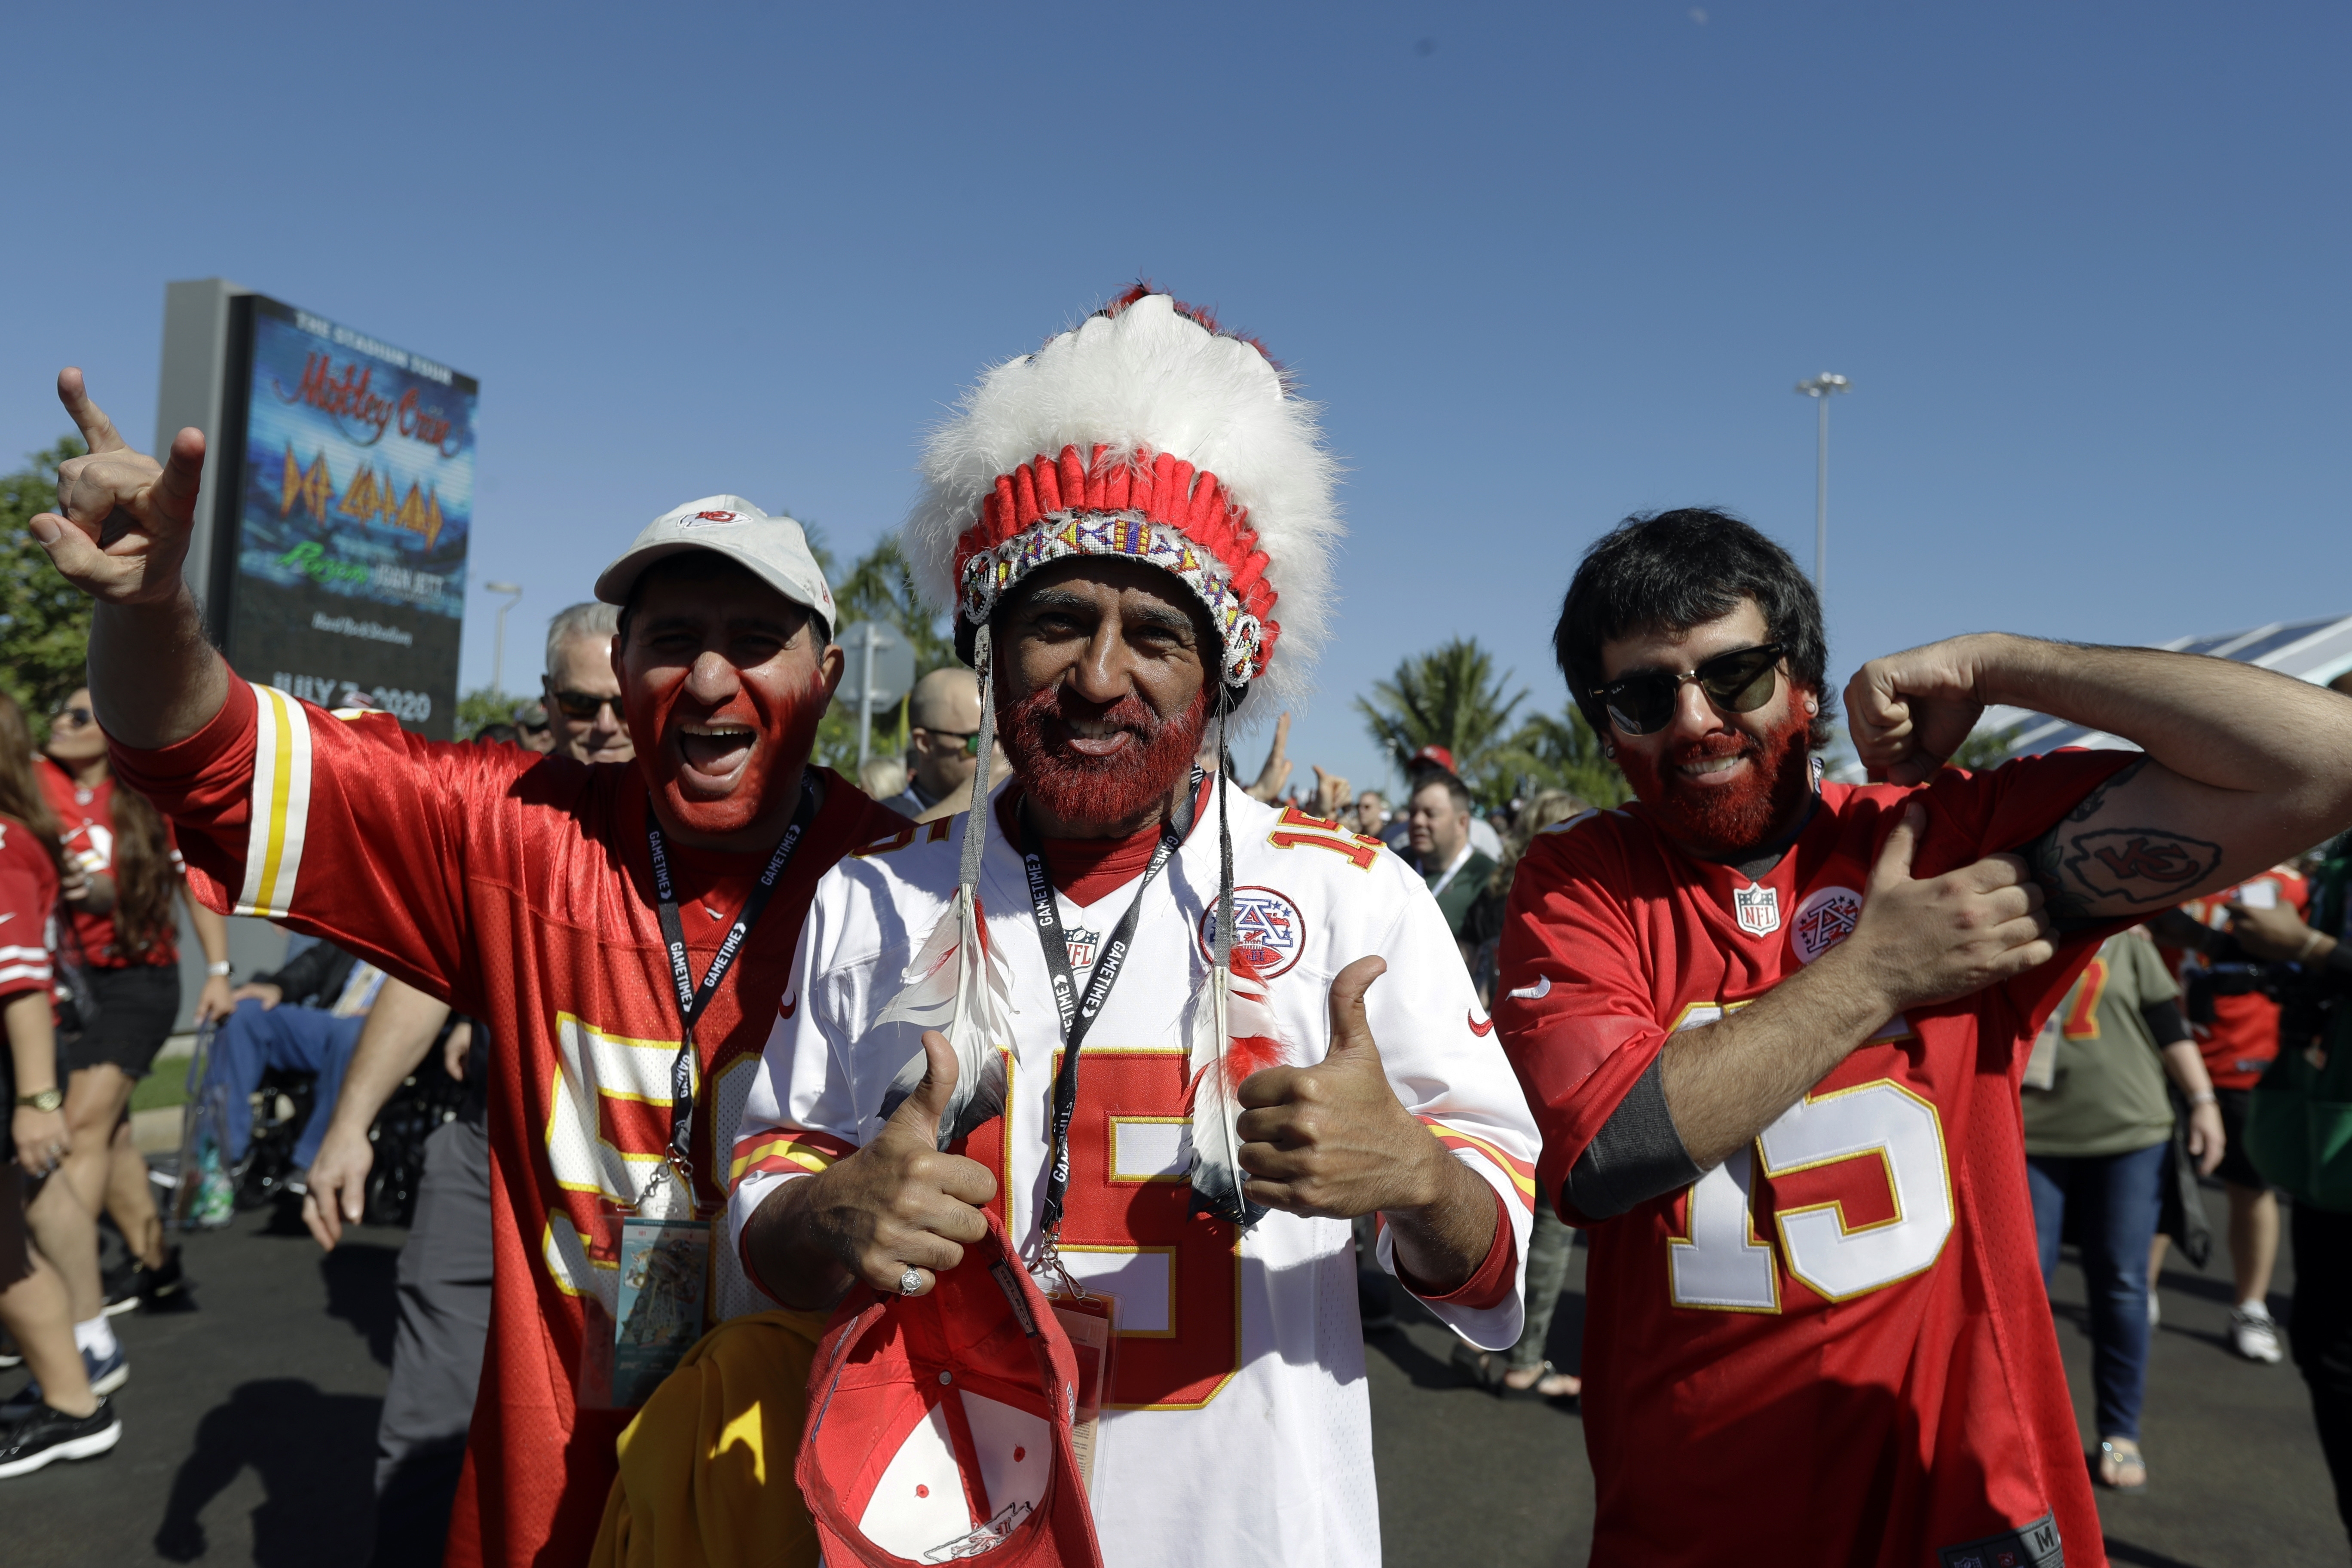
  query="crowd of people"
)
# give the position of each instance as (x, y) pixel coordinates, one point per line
(988, 1157)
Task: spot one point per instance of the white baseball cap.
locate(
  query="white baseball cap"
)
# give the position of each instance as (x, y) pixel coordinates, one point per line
(773, 549)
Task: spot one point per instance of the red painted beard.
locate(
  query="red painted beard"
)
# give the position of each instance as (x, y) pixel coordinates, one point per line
(1724, 823)
(1111, 790)
(782, 724)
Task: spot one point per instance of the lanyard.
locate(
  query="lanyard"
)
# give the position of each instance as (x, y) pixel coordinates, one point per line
(1078, 1012)
(692, 998)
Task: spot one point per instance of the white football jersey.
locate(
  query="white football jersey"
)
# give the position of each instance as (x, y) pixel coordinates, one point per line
(1239, 1428)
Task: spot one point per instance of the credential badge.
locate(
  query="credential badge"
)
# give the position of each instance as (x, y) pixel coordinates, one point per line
(1759, 909)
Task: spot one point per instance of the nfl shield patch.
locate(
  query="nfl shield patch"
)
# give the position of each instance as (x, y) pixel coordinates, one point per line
(1082, 944)
(1759, 910)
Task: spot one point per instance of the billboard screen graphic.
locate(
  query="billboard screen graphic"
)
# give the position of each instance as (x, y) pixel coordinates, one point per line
(354, 506)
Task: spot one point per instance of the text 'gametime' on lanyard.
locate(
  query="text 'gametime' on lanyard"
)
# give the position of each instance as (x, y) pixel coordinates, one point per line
(1078, 1013)
(692, 998)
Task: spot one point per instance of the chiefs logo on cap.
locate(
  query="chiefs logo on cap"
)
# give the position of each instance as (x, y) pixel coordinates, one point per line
(714, 517)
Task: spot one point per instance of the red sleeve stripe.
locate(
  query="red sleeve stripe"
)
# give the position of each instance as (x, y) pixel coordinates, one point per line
(1522, 1174)
(797, 1151)
(281, 805)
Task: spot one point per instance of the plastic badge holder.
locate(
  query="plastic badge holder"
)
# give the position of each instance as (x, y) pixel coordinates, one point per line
(1092, 1323)
(2042, 1066)
(662, 1256)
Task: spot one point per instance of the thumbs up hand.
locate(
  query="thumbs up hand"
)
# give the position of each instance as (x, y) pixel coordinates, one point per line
(1333, 1138)
(899, 1203)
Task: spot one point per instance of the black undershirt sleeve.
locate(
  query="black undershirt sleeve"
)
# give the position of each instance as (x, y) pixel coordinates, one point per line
(1637, 1155)
(2165, 1022)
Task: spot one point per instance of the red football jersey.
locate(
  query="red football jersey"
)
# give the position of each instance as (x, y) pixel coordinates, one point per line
(28, 890)
(1834, 1347)
(2242, 1041)
(520, 888)
(86, 822)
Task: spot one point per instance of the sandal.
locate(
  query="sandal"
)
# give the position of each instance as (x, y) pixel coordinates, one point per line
(2122, 1461)
(1535, 1390)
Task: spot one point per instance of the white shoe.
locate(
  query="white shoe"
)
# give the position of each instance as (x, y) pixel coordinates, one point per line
(2254, 1335)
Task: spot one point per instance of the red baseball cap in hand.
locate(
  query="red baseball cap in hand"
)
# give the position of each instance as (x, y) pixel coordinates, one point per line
(939, 1425)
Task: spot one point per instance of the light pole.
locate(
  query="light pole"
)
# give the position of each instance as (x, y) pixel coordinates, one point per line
(499, 653)
(1821, 389)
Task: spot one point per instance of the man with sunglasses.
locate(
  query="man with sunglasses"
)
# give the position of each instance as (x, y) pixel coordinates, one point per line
(583, 695)
(578, 911)
(942, 731)
(1772, 1031)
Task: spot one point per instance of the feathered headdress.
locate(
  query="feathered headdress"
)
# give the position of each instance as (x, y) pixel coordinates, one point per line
(1147, 432)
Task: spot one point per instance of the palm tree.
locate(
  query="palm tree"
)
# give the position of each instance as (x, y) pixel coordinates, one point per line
(1559, 751)
(1449, 697)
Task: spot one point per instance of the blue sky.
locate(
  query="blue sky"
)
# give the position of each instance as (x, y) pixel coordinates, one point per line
(2085, 263)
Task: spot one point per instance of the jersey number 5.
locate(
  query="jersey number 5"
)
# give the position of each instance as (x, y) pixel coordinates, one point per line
(1129, 1226)
(1722, 1266)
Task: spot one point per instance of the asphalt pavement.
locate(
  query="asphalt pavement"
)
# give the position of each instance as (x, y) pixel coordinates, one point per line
(249, 1429)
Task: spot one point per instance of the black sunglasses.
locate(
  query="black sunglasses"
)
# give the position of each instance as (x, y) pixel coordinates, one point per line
(581, 705)
(77, 717)
(1739, 681)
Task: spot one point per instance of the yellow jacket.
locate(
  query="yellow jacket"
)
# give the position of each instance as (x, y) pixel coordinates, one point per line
(706, 1474)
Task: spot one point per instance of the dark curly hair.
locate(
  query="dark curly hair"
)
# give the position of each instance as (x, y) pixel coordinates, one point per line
(1671, 571)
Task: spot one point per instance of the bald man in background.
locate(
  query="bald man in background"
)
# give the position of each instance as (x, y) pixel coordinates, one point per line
(942, 725)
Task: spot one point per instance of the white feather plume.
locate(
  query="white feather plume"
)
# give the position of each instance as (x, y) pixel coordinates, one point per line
(957, 984)
(1150, 380)
(1233, 1033)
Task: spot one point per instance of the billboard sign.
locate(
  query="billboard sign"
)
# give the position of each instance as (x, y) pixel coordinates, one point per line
(340, 561)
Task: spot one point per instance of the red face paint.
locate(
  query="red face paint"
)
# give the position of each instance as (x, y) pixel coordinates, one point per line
(1118, 788)
(781, 713)
(1723, 822)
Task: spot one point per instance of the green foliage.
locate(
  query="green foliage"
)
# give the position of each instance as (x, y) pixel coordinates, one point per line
(44, 620)
(1985, 748)
(1555, 752)
(483, 705)
(1449, 697)
(879, 588)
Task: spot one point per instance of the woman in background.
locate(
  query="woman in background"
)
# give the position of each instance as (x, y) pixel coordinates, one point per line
(118, 933)
(63, 1419)
(1522, 1369)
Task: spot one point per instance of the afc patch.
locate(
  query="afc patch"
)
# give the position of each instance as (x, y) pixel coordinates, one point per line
(1759, 910)
(1826, 918)
(1082, 944)
(1269, 930)
(2034, 1545)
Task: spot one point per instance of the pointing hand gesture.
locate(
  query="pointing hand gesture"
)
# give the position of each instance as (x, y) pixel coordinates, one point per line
(1934, 939)
(120, 530)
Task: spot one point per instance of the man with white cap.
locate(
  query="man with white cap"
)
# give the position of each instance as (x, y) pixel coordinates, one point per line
(599, 918)
(1170, 1038)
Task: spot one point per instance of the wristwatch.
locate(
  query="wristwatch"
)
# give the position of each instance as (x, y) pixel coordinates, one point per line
(218, 970)
(43, 1099)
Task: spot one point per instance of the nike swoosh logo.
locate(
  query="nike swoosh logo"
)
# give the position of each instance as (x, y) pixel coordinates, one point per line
(1536, 993)
(6, 918)
(1481, 1029)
